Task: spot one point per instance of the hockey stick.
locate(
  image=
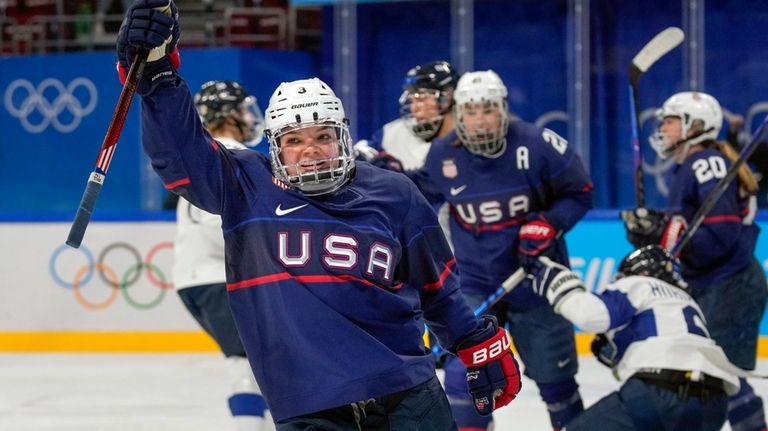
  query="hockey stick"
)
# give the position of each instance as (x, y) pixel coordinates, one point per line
(714, 195)
(661, 44)
(96, 179)
(506, 286)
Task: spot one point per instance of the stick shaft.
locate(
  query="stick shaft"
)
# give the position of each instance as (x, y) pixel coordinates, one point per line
(108, 146)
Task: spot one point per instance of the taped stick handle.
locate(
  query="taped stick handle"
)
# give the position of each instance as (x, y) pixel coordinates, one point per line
(97, 177)
(84, 211)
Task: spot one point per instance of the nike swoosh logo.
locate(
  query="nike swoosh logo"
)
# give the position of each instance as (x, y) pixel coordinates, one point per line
(457, 190)
(281, 212)
(564, 362)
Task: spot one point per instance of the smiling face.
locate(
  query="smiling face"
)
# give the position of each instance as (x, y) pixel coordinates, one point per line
(479, 119)
(309, 149)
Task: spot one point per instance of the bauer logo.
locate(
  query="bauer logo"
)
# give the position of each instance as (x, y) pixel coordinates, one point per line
(304, 105)
(50, 103)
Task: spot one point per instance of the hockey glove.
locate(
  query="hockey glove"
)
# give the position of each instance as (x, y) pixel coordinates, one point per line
(604, 350)
(644, 226)
(493, 375)
(537, 237)
(152, 25)
(554, 281)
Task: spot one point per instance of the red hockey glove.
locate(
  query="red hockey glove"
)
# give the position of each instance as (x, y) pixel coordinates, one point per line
(493, 375)
(537, 236)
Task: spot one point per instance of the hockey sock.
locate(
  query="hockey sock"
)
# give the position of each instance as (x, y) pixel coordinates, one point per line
(563, 401)
(246, 404)
(745, 409)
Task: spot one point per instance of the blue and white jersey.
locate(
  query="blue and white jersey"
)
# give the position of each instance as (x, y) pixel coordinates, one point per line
(330, 293)
(397, 138)
(725, 242)
(490, 199)
(653, 325)
(198, 250)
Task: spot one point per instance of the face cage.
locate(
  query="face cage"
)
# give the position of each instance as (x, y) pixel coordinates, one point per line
(251, 121)
(424, 129)
(317, 181)
(484, 142)
(657, 139)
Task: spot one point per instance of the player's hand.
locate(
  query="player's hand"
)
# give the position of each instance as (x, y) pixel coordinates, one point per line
(537, 237)
(604, 350)
(151, 25)
(493, 375)
(644, 226)
(363, 151)
(554, 281)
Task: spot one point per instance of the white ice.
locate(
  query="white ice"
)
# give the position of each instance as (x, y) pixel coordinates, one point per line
(183, 392)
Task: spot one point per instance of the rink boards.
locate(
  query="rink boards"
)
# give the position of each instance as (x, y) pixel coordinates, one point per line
(55, 298)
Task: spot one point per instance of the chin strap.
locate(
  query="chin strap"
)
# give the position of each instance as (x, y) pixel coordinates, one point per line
(671, 150)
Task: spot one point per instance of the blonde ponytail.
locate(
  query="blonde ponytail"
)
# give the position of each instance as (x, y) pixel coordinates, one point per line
(746, 178)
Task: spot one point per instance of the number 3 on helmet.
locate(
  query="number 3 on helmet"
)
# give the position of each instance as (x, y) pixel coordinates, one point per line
(300, 105)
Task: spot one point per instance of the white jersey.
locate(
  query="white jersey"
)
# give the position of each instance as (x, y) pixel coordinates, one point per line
(399, 140)
(653, 325)
(199, 246)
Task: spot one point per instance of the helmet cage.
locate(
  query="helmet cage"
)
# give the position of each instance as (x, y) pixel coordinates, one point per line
(323, 175)
(488, 142)
(412, 100)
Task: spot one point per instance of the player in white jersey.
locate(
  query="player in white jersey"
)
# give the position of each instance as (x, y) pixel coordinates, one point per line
(233, 118)
(425, 114)
(654, 337)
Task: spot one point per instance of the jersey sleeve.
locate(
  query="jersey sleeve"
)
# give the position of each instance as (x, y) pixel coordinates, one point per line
(428, 266)
(587, 311)
(722, 227)
(376, 139)
(566, 182)
(189, 162)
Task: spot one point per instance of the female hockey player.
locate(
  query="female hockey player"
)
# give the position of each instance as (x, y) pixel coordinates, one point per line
(513, 189)
(653, 335)
(718, 263)
(333, 267)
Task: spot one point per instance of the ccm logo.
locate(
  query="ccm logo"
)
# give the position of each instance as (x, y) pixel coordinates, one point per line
(491, 352)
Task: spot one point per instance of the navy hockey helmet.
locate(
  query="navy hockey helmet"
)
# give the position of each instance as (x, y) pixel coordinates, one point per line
(428, 96)
(652, 261)
(218, 101)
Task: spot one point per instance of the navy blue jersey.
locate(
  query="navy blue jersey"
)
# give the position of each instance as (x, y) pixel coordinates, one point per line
(490, 198)
(725, 242)
(330, 293)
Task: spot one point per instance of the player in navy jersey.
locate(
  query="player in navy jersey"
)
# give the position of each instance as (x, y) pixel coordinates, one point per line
(654, 337)
(718, 263)
(513, 189)
(333, 267)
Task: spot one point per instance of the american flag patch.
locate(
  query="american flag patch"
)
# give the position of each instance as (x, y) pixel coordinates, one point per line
(481, 403)
(449, 168)
(280, 184)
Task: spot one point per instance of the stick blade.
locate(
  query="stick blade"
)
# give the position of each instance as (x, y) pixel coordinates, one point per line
(661, 44)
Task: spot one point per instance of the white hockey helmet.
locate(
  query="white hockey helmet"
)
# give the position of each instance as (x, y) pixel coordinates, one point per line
(481, 90)
(698, 112)
(302, 104)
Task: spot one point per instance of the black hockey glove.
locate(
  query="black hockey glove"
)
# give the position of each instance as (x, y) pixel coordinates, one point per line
(644, 226)
(554, 281)
(604, 350)
(152, 25)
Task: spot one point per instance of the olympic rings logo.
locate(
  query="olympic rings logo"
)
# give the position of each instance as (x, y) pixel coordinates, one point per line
(34, 99)
(108, 274)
